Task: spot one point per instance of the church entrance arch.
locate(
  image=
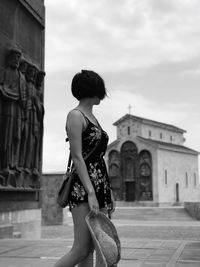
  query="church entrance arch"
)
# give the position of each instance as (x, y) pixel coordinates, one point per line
(129, 159)
(145, 176)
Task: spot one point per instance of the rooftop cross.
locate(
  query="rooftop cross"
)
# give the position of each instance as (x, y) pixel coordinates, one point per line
(129, 108)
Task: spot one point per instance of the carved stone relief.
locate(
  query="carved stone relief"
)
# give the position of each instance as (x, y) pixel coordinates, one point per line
(145, 176)
(21, 122)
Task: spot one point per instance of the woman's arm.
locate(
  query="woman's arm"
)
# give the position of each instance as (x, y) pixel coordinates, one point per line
(74, 127)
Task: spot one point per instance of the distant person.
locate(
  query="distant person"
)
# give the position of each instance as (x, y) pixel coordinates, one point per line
(90, 190)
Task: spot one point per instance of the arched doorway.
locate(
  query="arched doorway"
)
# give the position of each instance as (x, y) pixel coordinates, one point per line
(145, 176)
(129, 159)
(177, 192)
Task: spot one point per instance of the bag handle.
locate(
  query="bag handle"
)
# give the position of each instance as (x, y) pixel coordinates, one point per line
(69, 162)
(69, 159)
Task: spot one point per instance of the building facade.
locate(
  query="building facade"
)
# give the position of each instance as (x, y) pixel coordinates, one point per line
(149, 163)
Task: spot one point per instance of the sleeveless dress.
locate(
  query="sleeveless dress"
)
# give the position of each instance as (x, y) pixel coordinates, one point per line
(94, 145)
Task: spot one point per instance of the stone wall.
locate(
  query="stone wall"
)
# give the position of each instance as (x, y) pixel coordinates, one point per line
(162, 135)
(22, 25)
(177, 165)
(23, 223)
(52, 213)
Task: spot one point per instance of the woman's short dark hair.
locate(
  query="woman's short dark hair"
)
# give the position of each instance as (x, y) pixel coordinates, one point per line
(88, 83)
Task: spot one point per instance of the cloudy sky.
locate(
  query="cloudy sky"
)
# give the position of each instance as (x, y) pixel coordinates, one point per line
(147, 51)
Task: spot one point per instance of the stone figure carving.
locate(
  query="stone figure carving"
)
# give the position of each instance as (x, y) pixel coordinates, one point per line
(21, 122)
(12, 90)
(145, 157)
(114, 156)
(29, 124)
(24, 129)
(23, 66)
(113, 170)
(38, 123)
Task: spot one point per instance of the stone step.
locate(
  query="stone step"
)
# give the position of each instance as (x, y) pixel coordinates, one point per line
(170, 230)
(6, 231)
(152, 214)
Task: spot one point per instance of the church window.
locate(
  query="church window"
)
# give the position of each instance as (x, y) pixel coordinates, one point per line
(165, 177)
(195, 179)
(128, 129)
(149, 134)
(186, 179)
(171, 138)
(160, 135)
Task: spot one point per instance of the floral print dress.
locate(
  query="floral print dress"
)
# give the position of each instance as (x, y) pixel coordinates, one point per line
(94, 145)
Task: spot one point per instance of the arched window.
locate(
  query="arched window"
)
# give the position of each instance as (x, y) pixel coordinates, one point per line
(149, 134)
(186, 179)
(166, 177)
(195, 179)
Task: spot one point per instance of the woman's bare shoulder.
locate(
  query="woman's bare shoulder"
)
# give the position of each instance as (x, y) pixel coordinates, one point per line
(74, 116)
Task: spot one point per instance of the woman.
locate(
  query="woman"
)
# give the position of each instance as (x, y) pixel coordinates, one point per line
(90, 190)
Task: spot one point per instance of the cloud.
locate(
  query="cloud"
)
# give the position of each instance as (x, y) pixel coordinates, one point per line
(119, 34)
(117, 106)
(190, 72)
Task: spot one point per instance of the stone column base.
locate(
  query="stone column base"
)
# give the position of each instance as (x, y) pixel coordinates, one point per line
(26, 223)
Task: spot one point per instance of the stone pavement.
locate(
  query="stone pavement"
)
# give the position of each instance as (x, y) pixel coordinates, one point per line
(135, 252)
(144, 244)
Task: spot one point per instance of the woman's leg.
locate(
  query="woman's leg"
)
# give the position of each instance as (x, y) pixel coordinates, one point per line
(82, 239)
(88, 262)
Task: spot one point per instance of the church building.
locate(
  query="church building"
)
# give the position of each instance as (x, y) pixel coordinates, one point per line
(149, 164)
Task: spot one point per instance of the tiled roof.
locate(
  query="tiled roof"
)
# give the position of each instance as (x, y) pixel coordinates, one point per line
(150, 122)
(169, 145)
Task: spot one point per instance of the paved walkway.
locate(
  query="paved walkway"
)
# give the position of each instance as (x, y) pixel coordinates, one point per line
(155, 244)
(135, 253)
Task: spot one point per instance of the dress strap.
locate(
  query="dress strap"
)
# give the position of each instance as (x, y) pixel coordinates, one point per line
(88, 120)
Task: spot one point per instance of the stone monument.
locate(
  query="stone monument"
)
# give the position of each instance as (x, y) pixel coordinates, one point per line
(22, 28)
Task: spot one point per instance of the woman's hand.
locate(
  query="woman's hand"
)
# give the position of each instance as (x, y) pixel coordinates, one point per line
(93, 203)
